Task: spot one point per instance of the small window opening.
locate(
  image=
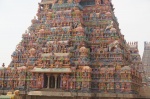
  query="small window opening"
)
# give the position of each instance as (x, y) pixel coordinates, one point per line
(50, 6)
(102, 2)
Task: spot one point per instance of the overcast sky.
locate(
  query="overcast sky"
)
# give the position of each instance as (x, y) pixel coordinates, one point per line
(15, 17)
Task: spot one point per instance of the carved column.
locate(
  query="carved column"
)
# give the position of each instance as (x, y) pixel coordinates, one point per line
(48, 81)
(68, 82)
(56, 80)
(61, 81)
(42, 80)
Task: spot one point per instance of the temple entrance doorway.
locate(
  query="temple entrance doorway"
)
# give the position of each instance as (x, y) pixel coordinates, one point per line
(58, 81)
(52, 81)
(45, 81)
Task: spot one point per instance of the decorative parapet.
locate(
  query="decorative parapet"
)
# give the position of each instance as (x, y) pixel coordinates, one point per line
(133, 44)
(146, 45)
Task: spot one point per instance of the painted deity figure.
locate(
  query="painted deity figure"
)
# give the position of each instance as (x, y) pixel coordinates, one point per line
(77, 1)
(78, 85)
(57, 64)
(32, 52)
(39, 62)
(97, 2)
(64, 82)
(71, 85)
(83, 51)
(55, 45)
(109, 26)
(111, 86)
(16, 93)
(106, 1)
(54, 1)
(46, 7)
(60, 1)
(84, 84)
(69, 1)
(67, 62)
(99, 86)
(113, 45)
(39, 82)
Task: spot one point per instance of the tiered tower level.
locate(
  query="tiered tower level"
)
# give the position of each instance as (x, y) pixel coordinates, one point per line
(75, 46)
(146, 61)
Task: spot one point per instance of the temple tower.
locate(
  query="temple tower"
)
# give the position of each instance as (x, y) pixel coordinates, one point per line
(146, 62)
(76, 47)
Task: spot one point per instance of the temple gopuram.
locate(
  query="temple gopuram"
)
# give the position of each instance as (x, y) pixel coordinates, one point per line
(74, 49)
(146, 61)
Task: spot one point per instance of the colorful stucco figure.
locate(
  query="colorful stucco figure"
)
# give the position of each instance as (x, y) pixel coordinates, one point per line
(11, 95)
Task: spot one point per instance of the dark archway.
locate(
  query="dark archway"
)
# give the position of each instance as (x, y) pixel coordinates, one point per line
(52, 82)
(58, 81)
(45, 81)
(102, 2)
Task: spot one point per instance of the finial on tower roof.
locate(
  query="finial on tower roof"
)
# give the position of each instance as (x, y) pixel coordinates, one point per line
(146, 44)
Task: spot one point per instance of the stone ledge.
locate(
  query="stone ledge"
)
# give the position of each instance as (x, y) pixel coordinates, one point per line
(79, 94)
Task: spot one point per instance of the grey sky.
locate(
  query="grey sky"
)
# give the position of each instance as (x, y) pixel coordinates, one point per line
(15, 17)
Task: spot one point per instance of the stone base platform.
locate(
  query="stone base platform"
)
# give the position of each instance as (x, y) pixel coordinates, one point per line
(60, 94)
(79, 95)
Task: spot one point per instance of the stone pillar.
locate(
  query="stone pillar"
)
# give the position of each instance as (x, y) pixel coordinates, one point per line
(43, 80)
(61, 81)
(55, 81)
(48, 81)
(68, 82)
